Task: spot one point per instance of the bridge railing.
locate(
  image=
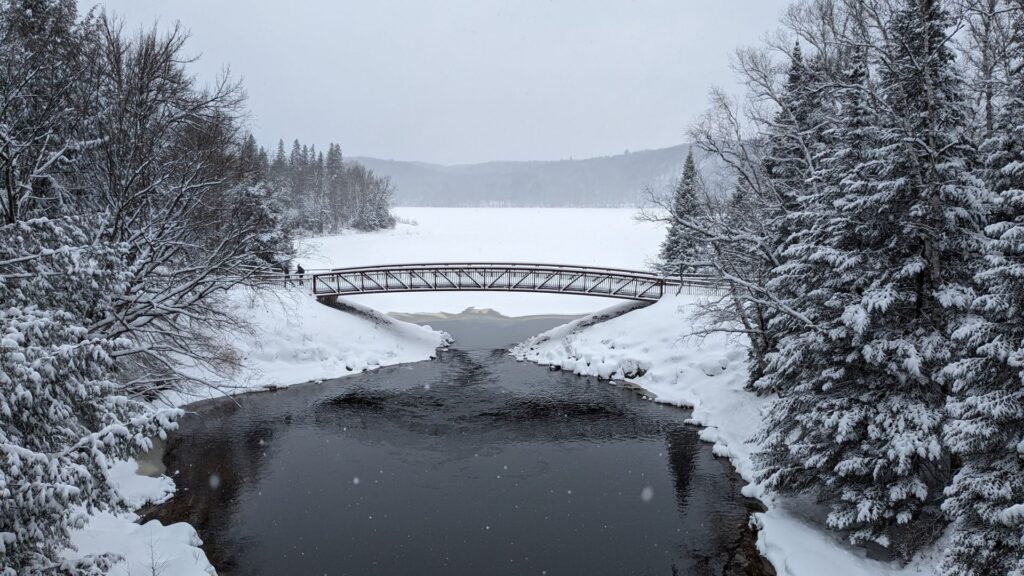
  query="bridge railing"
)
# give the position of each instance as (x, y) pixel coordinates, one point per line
(271, 278)
(696, 285)
(500, 265)
(505, 276)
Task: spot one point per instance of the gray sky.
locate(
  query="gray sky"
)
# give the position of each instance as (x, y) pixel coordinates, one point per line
(455, 81)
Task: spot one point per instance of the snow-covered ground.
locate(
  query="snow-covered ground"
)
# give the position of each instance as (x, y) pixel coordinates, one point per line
(294, 339)
(150, 548)
(583, 236)
(707, 375)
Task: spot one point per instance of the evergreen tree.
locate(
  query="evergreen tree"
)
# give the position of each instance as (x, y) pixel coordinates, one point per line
(334, 181)
(793, 143)
(317, 208)
(279, 165)
(986, 427)
(681, 250)
(877, 266)
(791, 136)
(262, 167)
(65, 416)
(325, 194)
(249, 169)
(297, 174)
(280, 188)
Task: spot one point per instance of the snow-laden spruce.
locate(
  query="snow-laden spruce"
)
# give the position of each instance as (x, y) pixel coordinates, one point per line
(873, 259)
(986, 412)
(321, 194)
(682, 250)
(877, 266)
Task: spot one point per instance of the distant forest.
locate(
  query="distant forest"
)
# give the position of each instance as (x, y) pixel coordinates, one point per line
(608, 181)
(318, 193)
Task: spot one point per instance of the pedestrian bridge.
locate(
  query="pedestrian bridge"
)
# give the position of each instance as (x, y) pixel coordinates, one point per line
(504, 277)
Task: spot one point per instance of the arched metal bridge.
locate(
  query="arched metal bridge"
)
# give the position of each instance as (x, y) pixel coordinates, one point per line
(505, 277)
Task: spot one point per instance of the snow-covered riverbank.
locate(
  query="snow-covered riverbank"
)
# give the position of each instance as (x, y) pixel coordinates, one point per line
(293, 339)
(652, 347)
(296, 339)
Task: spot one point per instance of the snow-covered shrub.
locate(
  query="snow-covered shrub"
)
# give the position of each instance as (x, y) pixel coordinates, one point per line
(64, 421)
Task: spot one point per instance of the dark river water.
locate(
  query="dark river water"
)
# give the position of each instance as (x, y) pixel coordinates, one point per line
(472, 463)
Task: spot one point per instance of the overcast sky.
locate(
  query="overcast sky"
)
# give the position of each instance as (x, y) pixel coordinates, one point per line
(458, 81)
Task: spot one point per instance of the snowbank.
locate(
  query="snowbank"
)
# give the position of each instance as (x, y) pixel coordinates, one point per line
(150, 548)
(294, 339)
(651, 347)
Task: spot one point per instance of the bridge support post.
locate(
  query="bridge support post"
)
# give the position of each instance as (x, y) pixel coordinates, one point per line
(328, 300)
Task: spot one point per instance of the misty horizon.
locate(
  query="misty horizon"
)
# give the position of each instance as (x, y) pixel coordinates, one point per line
(461, 82)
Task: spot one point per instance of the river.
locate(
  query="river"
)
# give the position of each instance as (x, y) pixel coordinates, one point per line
(471, 463)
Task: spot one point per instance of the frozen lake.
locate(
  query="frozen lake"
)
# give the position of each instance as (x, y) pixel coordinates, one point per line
(583, 236)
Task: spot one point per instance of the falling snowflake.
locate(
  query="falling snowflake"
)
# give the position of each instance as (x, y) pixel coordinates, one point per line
(647, 494)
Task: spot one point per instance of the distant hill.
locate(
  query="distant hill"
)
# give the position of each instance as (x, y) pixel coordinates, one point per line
(605, 181)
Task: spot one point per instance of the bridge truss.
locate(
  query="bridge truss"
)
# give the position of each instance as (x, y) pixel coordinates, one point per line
(507, 277)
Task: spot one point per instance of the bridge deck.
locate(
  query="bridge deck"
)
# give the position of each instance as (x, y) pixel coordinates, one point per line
(502, 276)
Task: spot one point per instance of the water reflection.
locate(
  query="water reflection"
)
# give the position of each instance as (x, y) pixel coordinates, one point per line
(470, 464)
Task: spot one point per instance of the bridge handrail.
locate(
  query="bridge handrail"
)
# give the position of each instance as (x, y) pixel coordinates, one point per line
(501, 265)
(511, 276)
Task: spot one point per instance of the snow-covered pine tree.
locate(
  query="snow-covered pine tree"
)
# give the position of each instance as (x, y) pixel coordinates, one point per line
(256, 200)
(791, 139)
(333, 177)
(681, 251)
(280, 187)
(861, 396)
(793, 142)
(317, 206)
(279, 164)
(986, 411)
(371, 198)
(251, 162)
(297, 183)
